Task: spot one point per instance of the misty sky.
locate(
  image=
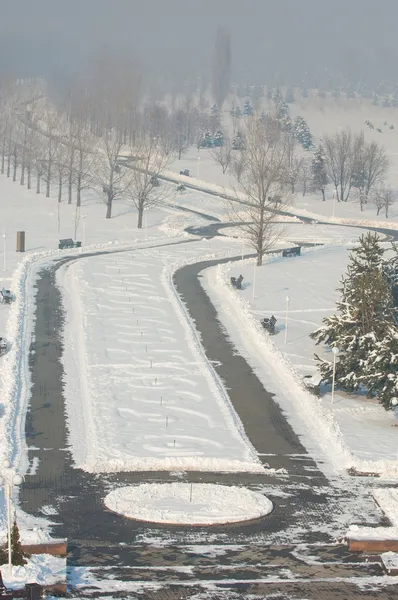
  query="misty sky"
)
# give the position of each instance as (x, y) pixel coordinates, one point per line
(269, 37)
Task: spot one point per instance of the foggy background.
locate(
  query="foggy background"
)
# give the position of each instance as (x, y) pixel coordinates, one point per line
(273, 41)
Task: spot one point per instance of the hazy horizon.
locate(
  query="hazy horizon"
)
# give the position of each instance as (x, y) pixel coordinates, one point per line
(272, 40)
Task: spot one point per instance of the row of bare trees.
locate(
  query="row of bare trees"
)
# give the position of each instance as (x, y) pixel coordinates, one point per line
(352, 163)
(101, 133)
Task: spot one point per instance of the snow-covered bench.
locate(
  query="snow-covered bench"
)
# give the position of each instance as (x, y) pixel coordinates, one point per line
(295, 251)
(6, 296)
(269, 324)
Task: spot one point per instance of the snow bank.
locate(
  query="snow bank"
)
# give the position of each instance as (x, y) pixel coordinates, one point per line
(40, 568)
(307, 410)
(188, 504)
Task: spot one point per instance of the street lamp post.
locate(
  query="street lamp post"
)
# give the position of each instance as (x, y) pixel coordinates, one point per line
(84, 229)
(254, 278)
(5, 250)
(335, 353)
(9, 478)
(198, 166)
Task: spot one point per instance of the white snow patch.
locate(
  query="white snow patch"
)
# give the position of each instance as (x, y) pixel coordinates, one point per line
(189, 504)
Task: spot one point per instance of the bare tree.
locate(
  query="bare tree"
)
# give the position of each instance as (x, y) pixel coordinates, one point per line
(261, 188)
(51, 123)
(305, 175)
(108, 176)
(180, 125)
(370, 168)
(223, 154)
(144, 188)
(383, 197)
(221, 75)
(341, 151)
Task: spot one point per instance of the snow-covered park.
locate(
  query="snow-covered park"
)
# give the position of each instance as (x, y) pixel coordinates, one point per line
(140, 393)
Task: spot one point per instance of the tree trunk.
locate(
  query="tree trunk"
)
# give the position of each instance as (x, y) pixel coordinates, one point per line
(70, 174)
(29, 172)
(23, 165)
(79, 180)
(378, 210)
(9, 156)
(37, 184)
(14, 174)
(140, 216)
(3, 156)
(179, 153)
(323, 194)
(386, 211)
(60, 187)
(109, 204)
(9, 164)
(79, 190)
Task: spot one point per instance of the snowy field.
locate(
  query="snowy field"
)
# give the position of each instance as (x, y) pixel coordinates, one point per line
(140, 392)
(323, 118)
(359, 430)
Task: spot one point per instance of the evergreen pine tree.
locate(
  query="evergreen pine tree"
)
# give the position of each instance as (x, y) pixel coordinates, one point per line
(17, 555)
(364, 315)
(302, 133)
(381, 369)
(248, 109)
(214, 110)
(238, 143)
(218, 139)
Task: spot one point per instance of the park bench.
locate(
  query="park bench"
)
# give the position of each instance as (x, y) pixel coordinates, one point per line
(236, 282)
(68, 243)
(269, 324)
(295, 251)
(3, 346)
(6, 296)
(185, 172)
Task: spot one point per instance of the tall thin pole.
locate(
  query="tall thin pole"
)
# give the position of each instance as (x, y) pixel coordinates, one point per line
(8, 498)
(5, 250)
(243, 248)
(286, 317)
(198, 167)
(84, 230)
(254, 279)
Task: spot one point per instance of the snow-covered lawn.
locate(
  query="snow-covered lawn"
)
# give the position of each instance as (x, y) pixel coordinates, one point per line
(353, 431)
(188, 504)
(140, 392)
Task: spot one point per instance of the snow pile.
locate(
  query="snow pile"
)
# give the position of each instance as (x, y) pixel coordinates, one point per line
(40, 568)
(140, 392)
(188, 504)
